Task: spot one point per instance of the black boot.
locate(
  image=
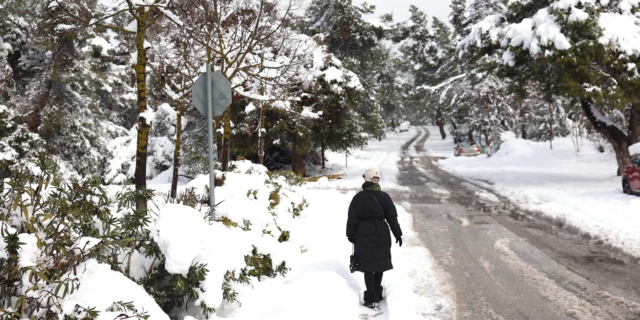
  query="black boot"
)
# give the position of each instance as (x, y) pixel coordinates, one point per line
(379, 293)
(370, 299)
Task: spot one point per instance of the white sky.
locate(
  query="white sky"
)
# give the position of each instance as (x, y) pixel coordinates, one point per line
(400, 8)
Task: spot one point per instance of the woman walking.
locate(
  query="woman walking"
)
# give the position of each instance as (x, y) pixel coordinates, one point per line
(371, 213)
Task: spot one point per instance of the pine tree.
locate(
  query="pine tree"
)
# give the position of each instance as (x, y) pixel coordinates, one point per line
(583, 63)
(456, 17)
(343, 28)
(431, 60)
(6, 74)
(478, 10)
(64, 85)
(390, 87)
(357, 44)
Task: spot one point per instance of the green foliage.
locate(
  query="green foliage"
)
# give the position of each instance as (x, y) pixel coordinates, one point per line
(297, 209)
(284, 236)
(252, 192)
(227, 222)
(16, 142)
(219, 182)
(57, 214)
(246, 225)
(189, 197)
(230, 277)
(69, 94)
(274, 197)
(290, 177)
(175, 290)
(128, 310)
(343, 28)
(342, 120)
(260, 265)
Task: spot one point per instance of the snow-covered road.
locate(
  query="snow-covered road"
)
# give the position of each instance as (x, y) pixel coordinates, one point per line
(416, 288)
(504, 264)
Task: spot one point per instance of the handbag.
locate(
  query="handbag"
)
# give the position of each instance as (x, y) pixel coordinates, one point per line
(353, 262)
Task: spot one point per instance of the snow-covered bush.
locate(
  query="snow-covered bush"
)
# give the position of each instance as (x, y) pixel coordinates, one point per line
(62, 242)
(121, 163)
(16, 142)
(55, 234)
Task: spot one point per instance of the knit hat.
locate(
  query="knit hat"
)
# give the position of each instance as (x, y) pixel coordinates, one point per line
(370, 173)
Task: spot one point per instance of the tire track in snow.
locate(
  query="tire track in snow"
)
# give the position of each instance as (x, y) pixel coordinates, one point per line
(567, 301)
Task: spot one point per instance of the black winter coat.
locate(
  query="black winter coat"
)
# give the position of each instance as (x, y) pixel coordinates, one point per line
(367, 223)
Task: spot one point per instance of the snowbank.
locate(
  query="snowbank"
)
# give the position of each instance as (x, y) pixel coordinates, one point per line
(101, 287)
(634, 149)
(580, 189)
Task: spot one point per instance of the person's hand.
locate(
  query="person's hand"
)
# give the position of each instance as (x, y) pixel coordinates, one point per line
(399, 241)
(352, 239)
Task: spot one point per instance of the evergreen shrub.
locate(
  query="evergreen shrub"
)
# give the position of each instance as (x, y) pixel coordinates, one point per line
(76, 221)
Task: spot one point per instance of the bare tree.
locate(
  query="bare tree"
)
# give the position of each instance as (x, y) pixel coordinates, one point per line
(250, 42)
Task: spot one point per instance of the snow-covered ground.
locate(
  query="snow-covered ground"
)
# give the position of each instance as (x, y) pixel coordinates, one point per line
(318, 284)
(580, 190)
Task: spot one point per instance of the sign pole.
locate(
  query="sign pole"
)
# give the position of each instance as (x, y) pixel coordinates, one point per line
(211, 95)
(212, 199)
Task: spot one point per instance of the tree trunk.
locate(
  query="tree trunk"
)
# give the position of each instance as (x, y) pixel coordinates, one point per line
(618, 139)
(470, 136)
(346, 33)
(550, 127)
(634, 123)
(219, 137)
(442, 132)
(297, 163)
(524, 132)
(322, 147)
(262, 136)
(143, 126)
(454, 125)
(176, 152)
(224, 161)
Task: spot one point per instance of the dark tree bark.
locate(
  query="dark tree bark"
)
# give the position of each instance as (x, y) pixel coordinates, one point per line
(441, 127)
(634, 123)
(176, 152)
(263, 136)
(226, 143)
(143, 126)
(219, 137)
(346, 33)
(297, 163)
(322, 147)
(551, 134)
(618, 139)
